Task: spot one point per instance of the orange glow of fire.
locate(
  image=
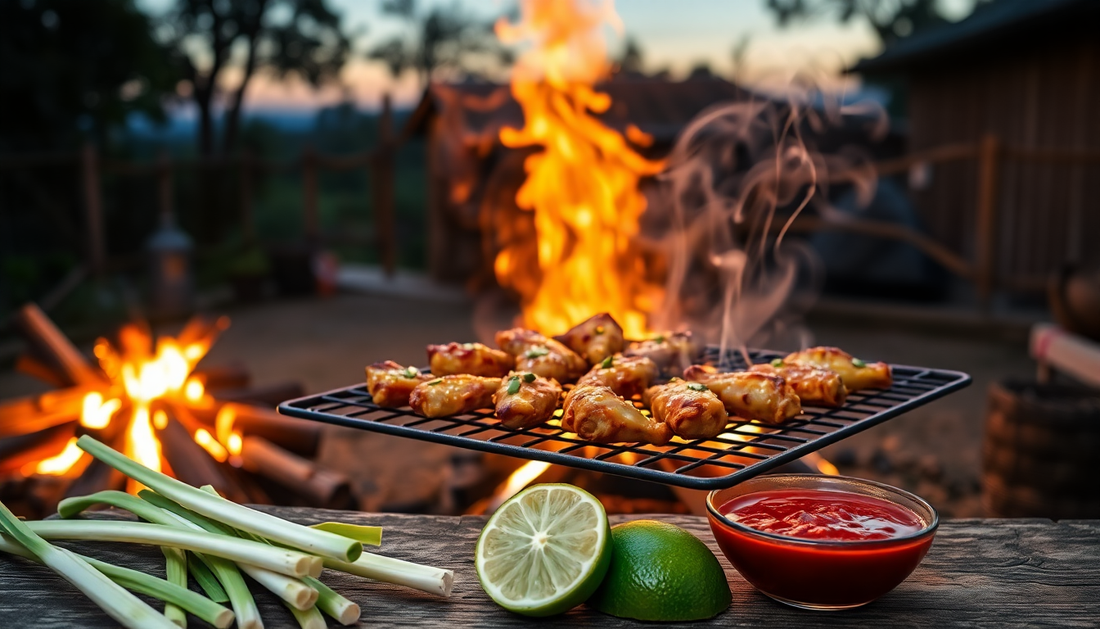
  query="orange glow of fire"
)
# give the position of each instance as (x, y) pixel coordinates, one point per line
(223, 428)
(583, 185)
(141, 378)
(211, 445)
(60, 463)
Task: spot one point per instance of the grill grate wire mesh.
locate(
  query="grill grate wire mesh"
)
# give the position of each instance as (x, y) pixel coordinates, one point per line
(744, 450)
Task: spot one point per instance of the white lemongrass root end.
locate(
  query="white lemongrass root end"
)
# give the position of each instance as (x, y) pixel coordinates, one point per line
(424, 578)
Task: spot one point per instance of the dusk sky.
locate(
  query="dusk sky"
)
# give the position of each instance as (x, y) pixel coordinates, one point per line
(673, 35)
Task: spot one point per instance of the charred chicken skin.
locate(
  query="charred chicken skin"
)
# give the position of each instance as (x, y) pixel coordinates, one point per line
(625, 375)
(671, 352)
(855, 373)
(541, 356)
(814, 385)
(469, 358)
(390, 384)
(524, 400)
(689, 409)
(596, 414)
(595, 339)
(749, 394)
(451, 395)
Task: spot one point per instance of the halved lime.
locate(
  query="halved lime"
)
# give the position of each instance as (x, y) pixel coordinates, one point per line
(545, 550)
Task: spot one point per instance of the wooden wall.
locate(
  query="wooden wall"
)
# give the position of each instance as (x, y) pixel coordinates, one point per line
(1048, 211)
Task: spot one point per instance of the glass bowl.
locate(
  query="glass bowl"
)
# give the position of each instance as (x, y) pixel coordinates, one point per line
(821, 574)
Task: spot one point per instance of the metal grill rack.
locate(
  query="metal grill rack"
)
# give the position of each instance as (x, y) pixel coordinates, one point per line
(744, 450)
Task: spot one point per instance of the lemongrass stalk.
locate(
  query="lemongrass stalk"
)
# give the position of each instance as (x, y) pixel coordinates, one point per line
(175, 572)
(345, 611)
(283, 561)
(112, 598)
(142, 583)
(196, 565)
(370, 535)
(424, 578)
(396, 571)
(317, 542)
(240, 597)
(307, 618)
(289, 589)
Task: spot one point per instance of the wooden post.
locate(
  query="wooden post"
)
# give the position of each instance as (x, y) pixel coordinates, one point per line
(309, 192)
(383, 166)
(93, 210)
(248, 220)
(989, 156)
(164, 186)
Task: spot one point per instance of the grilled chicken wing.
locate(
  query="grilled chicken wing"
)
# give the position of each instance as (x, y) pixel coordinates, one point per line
(595, 413)
(540, 355)
(390, 384)
(749, 394)
(815, 386)
(595, 339)
(625, 375)
(690, 409)
(671, 352)
(855, 373)
(524, 400)
(470, 358)
(451, 395)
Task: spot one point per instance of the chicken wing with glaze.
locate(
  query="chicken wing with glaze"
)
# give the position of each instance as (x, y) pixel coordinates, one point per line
(541, 356)
(855, 373)
(524, 400)
(690, 409)
(749, 394)
(451, 395)
(390, 384)
(596, 414)
(671, 352)
(625, 375)
(814, 385)
(595, 339)
(469, 358)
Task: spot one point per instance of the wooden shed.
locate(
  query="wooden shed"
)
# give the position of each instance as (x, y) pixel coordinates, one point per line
(1006, 105)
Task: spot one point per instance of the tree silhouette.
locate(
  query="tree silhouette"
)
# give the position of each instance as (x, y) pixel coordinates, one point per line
(891, 19)
(442, 38)
(283, 37)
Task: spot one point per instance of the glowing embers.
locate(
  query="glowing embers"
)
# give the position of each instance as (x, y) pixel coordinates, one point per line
(583, 185)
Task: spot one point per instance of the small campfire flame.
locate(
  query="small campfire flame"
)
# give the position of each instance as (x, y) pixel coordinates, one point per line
(142, 380)
(583, 185)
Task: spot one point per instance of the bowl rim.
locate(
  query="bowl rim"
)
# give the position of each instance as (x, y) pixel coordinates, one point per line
(929, 529)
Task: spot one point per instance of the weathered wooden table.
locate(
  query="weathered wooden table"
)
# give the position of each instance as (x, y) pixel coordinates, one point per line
(993, 573)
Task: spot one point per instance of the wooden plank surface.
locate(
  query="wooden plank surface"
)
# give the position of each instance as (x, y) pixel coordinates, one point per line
(987, 573)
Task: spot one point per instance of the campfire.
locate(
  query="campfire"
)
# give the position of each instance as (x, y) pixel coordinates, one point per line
(148, 398)
(582, 186)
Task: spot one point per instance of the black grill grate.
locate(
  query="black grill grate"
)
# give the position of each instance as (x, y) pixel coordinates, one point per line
(745, 450)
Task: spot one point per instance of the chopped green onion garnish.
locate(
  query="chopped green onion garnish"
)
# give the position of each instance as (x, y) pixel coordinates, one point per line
(606, 364)
(660, 338)
(535, 352)
(599, 329)
(697, 386)
(529, 377)
(435, 382)
(513, 386)
(778, 362)
(411, 372)
(858, 363)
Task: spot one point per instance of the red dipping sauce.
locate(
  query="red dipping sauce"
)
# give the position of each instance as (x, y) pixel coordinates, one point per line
(822, 542)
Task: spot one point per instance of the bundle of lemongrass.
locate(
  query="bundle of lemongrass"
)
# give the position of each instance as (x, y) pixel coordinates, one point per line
(214, 540)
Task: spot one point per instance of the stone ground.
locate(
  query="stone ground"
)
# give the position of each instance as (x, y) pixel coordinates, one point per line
(324, 343)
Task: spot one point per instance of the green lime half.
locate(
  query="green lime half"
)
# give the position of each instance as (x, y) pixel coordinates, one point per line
(545, 550)
(661, 572)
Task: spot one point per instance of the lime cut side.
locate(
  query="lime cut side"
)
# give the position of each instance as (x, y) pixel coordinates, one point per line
(545, 550)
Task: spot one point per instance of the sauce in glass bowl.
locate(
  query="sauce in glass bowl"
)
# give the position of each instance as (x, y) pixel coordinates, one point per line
(821, 542)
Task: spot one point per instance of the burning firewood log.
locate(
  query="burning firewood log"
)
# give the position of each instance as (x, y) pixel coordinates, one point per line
(317, 486)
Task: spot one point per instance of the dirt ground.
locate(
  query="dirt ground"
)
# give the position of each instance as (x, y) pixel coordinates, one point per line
(324, 344)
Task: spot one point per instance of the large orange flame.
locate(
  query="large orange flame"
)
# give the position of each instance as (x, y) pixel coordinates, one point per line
(583, 185)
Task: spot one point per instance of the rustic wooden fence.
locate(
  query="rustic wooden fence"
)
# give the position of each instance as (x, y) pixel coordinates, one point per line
(980, 268)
